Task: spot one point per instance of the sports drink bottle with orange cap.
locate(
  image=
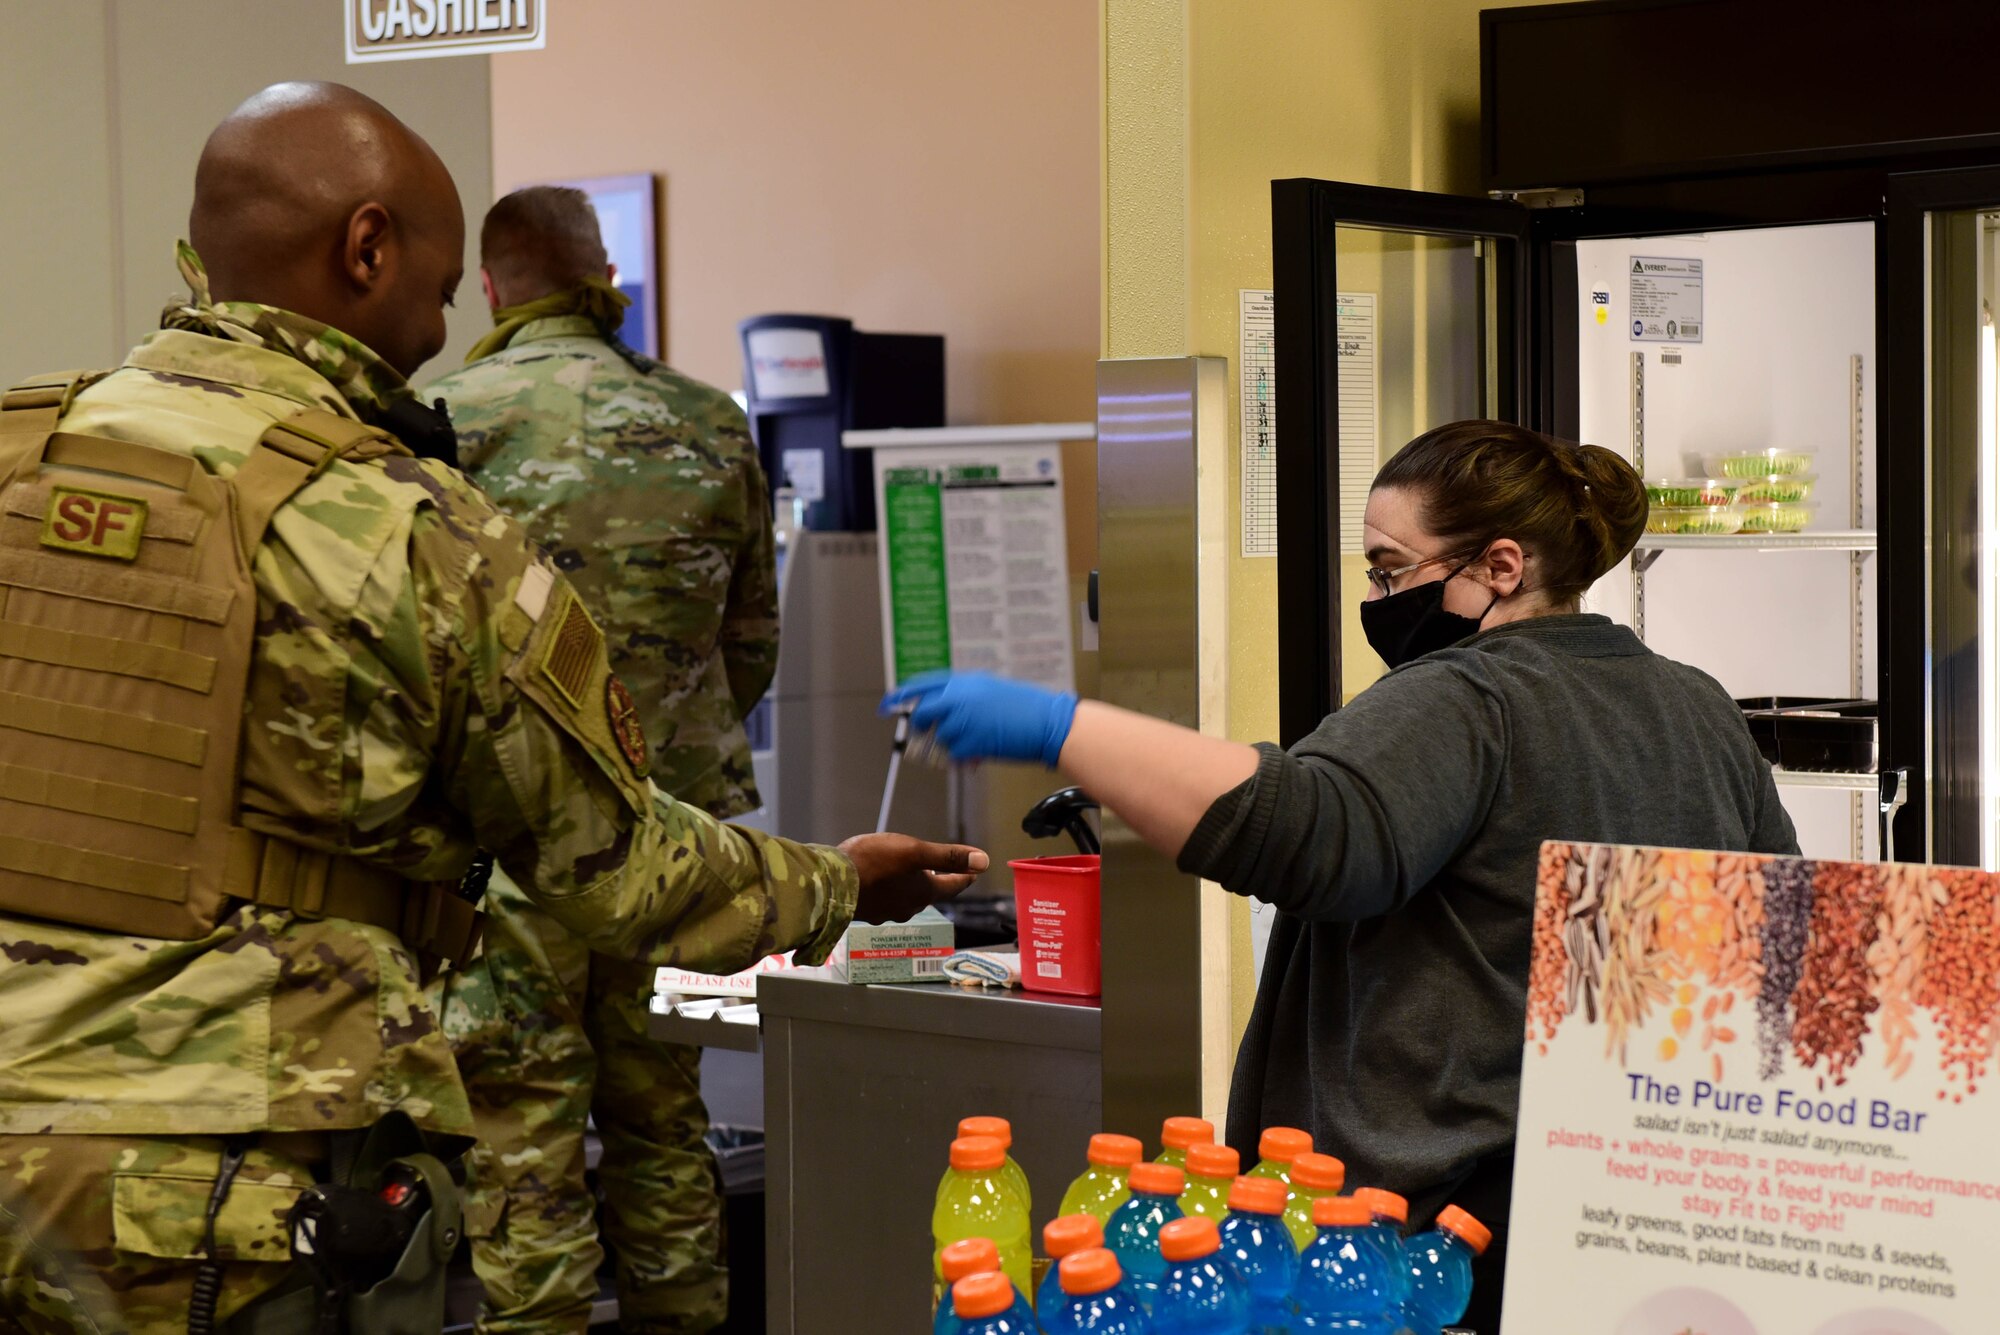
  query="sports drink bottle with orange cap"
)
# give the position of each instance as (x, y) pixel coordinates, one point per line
(1439, 1270)
(1000, 1129)
(1094, 1300)
(970, 1256)
(1134, 1232)
(1390, 1213)
(1210, 1170)
(1313, 1176)
(1341, 1275)
(1177, 1133)
(1060, 1237)
(986, 1305)
(1201, 1293)
(977, 1203)
(1102, 1188)
(1256, 1241)
(1277, 1148)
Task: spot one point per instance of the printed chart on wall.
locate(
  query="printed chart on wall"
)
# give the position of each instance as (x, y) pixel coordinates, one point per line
(975, 561)
(1753, 1099)
(1359, 417)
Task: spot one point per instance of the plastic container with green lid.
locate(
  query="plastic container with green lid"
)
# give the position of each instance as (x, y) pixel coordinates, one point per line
(1760, 463)
(1694, 519)
(1691, 490)
(1777, 517)
(1779, 488)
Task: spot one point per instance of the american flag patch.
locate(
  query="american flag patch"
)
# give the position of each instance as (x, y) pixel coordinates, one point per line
(573, 652)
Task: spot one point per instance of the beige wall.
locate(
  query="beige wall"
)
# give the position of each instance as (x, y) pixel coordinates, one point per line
(921, 167)
(106, 104)
(1207, 102)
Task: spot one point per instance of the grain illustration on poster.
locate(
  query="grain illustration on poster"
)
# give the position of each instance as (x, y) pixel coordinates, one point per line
(1751, 1098)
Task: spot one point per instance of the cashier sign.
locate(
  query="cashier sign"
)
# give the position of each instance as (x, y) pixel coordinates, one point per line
(421, 29)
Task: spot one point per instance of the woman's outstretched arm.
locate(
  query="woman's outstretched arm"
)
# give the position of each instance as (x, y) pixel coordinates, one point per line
(1159, 778)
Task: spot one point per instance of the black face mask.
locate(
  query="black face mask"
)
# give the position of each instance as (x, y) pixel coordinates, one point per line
(1405, 626)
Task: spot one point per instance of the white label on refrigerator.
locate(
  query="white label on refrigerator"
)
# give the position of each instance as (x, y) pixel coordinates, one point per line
(1665, 305)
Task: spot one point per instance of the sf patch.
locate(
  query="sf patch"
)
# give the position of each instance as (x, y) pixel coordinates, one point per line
(626, 730)
(94, 523)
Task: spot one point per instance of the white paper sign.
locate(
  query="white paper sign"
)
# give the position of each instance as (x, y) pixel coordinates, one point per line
(975, 561)
(1360, 431)
(1754, 1099)
(788, 364)
(805, 470)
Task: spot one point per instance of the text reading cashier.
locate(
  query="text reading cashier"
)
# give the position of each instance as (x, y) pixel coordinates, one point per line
(1400, 839)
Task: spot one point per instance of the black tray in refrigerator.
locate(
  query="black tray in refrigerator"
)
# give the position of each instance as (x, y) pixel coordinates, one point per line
(1813, 732)
(1760, 713)
(1837, 737)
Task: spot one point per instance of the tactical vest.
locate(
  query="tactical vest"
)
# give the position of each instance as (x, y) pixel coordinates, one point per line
(127, 616)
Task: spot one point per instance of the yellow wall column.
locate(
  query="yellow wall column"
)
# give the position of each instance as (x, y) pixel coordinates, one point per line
(1206, 103)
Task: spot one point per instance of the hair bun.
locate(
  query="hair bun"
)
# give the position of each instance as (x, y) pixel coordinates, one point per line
(1615, 495)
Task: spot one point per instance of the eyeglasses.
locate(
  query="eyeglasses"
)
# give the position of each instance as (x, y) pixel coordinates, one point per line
(1384, 580)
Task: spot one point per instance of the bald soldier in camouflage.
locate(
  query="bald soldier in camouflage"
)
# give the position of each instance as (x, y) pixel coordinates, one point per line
(421, 685)
(643, 486)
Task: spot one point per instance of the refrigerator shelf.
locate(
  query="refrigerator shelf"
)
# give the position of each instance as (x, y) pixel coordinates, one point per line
(1813, 778)
(1831, 540)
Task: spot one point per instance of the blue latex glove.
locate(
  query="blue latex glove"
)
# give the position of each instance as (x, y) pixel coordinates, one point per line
(978, 716)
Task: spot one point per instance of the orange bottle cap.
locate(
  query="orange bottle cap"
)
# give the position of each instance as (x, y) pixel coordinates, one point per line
(1091, 1271)
(1386, 1203)
(1280, 1144)
(1072, 1233)
(1157, 1179)
(1321, 1172)
(1212, 1161)
(1190, 1239)
(987, 1294)
(977, 1154)
(1115, 1151)
(1477, 1236)
(969, 1256)
(1177, 1133)
(997, 1127)
(1342, 1212)
(1258, 1195)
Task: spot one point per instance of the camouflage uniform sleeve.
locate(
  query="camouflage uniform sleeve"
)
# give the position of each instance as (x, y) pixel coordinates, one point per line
(749, 634)
(538, 747)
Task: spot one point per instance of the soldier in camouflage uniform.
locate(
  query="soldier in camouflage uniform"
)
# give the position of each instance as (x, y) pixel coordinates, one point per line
(403, 711)
(644, 487)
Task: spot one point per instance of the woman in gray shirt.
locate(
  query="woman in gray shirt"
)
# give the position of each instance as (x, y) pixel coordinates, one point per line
(1399, 841)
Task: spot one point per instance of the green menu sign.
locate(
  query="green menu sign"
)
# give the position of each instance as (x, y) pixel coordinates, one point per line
(913, 526)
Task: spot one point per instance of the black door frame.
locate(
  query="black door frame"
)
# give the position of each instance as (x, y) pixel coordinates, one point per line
(1306, 216)
(1542, 374)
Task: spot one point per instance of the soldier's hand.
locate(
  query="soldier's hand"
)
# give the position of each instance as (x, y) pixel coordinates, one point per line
(900, 875)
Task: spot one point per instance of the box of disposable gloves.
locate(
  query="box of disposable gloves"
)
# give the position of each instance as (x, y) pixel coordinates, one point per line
(896, 952)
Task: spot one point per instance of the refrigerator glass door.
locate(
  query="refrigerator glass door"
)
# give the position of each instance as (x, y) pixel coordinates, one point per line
(1396, 312)
(1944, 432)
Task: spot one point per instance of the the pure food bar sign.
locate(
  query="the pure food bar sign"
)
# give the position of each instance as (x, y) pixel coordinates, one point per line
(416, 29)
